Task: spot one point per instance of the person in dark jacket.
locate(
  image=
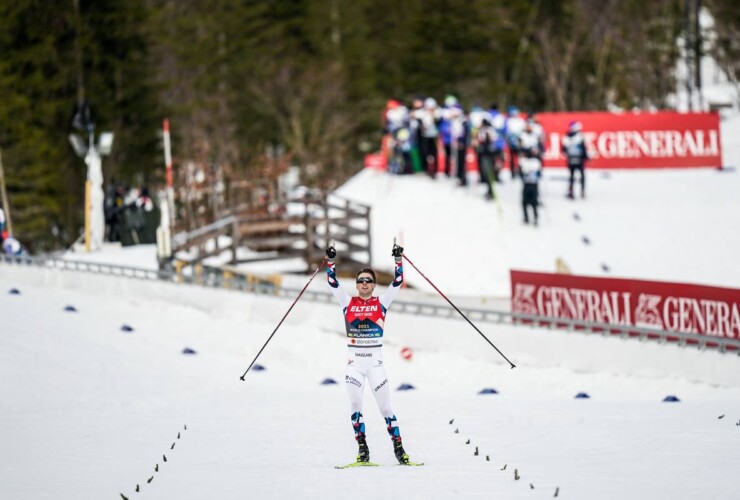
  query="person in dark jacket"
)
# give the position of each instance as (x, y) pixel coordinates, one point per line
(486, 141)
(530, 168)
(576, 154)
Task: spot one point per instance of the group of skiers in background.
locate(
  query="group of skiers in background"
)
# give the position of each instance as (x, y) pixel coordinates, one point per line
(437, 140)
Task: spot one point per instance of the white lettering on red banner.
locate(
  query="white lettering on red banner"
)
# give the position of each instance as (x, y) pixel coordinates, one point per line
(643, 140)
(674, 307)
(587, 305)
(630, 144)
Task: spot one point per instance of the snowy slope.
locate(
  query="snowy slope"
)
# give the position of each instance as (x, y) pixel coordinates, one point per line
(89, 410)
(669, 225)
(645, 224)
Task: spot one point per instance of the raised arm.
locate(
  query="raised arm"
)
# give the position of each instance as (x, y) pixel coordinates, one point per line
(340, 295)
(395, 287)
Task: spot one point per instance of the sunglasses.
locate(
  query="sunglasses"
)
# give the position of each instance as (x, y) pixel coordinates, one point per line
(365, 280)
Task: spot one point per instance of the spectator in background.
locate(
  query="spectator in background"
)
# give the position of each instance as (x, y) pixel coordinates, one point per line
(144, 202)
(475, 121)
(131, 196)
(576, 154)
(417, 110)
(539, 133)
(396, 126)
(530, 170)
(486, 138)
(528, 140)
(402, 151)
(460, 136)
(514, 128)
(114, 206)
(445, 131)
(395, 116)
(430, 116)
(136, 204)
(13, 248)
(498, 121)
(476, 116)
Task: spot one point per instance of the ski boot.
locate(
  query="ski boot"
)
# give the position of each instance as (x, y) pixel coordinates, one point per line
(363, 454)
(398, 450)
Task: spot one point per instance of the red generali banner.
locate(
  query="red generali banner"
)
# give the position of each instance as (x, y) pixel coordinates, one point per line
(638, 140)
(674, 307)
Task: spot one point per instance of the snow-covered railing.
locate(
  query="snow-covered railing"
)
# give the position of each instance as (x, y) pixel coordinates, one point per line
(90, 267)
(109, 269)
(217, 278)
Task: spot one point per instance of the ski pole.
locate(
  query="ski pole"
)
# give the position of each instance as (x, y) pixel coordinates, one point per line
(286, 315)
(459, 311)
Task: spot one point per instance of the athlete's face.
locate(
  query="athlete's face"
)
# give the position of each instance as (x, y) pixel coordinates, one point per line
(365, 285)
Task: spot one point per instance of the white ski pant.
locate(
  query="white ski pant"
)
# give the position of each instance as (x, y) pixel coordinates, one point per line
(365, 365)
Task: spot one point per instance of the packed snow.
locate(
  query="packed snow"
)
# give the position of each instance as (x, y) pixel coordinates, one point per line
(639, 224)
(91, 409)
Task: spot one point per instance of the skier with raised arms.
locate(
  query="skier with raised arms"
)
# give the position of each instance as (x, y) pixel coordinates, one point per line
(364, 318)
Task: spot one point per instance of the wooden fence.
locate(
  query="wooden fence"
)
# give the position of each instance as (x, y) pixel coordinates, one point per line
(302, 229)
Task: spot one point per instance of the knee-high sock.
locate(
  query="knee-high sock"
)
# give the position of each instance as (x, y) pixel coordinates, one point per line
(358, 424)
(393, 431)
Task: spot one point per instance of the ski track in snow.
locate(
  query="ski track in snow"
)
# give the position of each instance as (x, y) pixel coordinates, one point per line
(89, 410)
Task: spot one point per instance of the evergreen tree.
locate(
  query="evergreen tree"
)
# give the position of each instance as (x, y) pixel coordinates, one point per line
(57, 54)
(305, 81)
(36, 81)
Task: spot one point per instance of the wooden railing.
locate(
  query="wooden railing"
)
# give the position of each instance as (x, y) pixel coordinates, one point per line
(304, 235)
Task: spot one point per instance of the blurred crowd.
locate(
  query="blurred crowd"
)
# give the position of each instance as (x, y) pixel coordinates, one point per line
(126, 212)
(130, 218)
(435, 139)
(448, 141)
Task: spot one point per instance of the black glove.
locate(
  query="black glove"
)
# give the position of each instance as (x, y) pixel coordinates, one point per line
(397, 251)
(331, 252)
